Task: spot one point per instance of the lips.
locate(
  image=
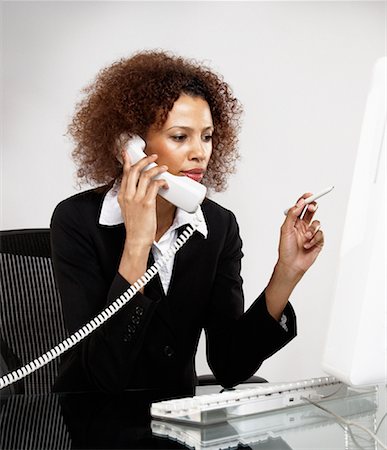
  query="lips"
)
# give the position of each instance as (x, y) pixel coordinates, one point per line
(194, 174)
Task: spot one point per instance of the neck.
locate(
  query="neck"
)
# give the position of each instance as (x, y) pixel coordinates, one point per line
(165, 214)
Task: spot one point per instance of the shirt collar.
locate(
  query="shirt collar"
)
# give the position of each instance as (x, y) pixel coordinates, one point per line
(110, 214)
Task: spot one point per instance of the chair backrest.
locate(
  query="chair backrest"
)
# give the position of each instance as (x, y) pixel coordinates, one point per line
(31, 318)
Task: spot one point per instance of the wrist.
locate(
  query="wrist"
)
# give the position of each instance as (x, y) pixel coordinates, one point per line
(137, 250)
(280, 287)
(286, 274)
(133, 262)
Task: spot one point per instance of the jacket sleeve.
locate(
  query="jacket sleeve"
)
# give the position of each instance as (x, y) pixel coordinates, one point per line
(238, 342)
(105, 358)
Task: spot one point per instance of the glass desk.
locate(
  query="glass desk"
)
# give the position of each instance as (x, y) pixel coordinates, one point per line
(99, 421)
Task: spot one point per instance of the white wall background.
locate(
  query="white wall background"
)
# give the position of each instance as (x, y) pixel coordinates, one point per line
(301, 69)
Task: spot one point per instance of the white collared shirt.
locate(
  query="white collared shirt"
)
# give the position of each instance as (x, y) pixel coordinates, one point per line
(111, 215)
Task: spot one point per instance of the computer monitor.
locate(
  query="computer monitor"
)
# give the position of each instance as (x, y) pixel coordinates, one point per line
(356, 342)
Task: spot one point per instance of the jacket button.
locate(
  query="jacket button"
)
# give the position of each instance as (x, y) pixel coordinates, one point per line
(127, 338)
(168, 351)
(139, 310)
(135, 320)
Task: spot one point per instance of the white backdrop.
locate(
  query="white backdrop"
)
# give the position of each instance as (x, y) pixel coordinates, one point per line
(301, 69)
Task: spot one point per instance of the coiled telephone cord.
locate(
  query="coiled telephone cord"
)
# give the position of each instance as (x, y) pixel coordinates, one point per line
(103, 316)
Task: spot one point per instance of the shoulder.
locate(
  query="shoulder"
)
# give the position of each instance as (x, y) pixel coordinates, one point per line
(83, 206)
(223, 229)
(222, 223)
(215, 213)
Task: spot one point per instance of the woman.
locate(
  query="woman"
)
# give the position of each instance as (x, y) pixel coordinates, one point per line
(104, 239)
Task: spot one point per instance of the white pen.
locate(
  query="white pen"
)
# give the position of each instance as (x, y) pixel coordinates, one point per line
(314, 197)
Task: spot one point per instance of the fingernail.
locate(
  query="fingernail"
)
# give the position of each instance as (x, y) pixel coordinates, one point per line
(308, 234)
(307, 245)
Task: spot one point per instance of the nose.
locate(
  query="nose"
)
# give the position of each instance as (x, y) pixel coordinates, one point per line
(198, 150)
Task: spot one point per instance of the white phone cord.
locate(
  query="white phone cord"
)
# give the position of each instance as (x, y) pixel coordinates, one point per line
(102, 317)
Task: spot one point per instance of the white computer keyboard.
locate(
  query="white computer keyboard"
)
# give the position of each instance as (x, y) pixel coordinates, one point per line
(271, 429)
(213, 408)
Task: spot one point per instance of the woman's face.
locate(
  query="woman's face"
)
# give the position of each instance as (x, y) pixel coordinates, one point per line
(184, 143)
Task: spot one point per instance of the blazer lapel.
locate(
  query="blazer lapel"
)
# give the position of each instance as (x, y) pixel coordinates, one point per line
(154, 289)
(184, 259)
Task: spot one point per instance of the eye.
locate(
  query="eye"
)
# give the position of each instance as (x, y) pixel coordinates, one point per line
(179, 137)
(207, 137)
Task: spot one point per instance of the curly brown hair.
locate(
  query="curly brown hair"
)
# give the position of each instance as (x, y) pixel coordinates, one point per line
(131, 95)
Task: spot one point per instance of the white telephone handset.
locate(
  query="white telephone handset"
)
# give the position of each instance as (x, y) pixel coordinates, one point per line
(183, 192)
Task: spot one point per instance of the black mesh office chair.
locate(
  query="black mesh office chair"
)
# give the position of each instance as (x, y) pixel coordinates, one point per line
(31, 319)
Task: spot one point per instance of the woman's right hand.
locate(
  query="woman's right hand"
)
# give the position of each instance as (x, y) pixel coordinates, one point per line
(137, 200)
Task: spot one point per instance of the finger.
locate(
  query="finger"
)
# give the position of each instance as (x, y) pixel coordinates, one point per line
(312, 230)
(125, 174)
(293, 214)
(135, 171)
(146, 178)
(310, 211)
(316, 241)
(154, 188)
(304, 196)
(142, 163)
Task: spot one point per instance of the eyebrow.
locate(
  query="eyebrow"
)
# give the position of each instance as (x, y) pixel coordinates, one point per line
(211, 127)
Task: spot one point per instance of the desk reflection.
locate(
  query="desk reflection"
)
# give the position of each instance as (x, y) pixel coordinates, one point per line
(124, 421)
(112, 422)
(271, 430)
(99, 421)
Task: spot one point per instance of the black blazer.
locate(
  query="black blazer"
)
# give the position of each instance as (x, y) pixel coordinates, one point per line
(152, 340)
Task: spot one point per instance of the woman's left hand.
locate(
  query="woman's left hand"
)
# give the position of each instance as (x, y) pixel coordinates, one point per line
(301, 239)
(300, 243)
